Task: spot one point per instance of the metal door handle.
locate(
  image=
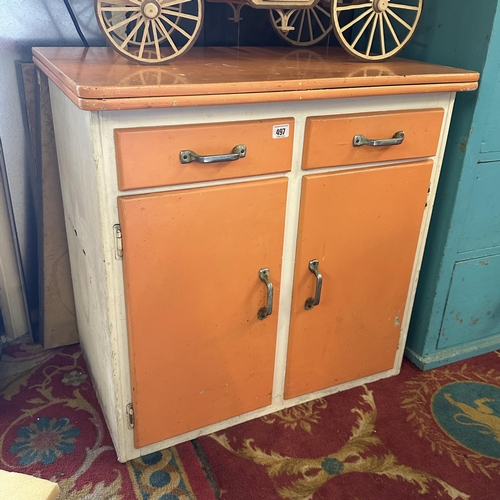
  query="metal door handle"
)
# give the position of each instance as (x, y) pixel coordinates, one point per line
(188, 156)
(314, 301)
(264, 312)
(397, 138)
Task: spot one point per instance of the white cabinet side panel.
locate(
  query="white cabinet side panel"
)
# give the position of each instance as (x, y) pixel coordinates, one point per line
(79, 179)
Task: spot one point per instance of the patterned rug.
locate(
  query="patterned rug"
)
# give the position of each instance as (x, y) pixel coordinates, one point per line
(418, 436)
(51, 426)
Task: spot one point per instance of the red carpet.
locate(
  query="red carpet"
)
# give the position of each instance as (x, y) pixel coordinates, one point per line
(51, 426)
(421, 435)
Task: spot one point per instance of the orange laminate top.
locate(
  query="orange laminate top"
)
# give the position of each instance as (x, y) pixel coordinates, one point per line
(98, 78)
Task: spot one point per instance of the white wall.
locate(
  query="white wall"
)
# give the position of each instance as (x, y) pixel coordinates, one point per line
(25, 24)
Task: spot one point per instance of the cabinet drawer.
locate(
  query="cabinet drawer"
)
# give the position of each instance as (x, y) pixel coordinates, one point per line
(329, 140)
(150, 156)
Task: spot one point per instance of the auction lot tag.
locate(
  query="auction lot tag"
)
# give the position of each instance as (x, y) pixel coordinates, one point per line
(281, 131)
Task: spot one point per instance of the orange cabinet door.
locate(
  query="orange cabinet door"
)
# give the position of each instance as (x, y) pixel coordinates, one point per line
(198, 352)
(363, 228)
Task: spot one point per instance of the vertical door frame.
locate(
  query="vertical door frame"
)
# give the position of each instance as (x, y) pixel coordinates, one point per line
(13, 303)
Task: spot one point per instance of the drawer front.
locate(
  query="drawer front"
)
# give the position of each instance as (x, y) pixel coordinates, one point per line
(329, 140)
(150, 156)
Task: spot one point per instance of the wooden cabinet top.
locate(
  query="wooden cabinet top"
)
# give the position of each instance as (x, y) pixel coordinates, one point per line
(99, 79)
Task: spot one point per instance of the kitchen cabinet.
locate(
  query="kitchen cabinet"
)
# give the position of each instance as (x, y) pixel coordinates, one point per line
(245, 235)
(456, 311)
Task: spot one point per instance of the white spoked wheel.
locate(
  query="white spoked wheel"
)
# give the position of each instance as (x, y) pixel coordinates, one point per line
(374, 30)
(302, 27)
(150, 31)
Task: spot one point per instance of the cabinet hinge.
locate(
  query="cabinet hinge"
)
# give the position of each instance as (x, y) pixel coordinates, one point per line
(118, 242)
(130, 415)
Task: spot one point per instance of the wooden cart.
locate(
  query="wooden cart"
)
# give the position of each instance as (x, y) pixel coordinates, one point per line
(158, 31)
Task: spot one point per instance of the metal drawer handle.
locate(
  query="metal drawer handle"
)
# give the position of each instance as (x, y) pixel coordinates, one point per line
(264, 312)
(188, 156)
(314, 301)
(397, 138)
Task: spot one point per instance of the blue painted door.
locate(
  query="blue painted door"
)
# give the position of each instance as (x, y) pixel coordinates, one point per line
(490, 147)
(482, 219)
(472, 309)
